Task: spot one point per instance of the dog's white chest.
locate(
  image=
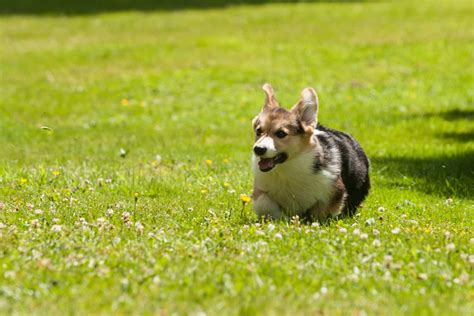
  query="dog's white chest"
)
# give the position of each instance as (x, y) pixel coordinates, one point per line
(294, 185)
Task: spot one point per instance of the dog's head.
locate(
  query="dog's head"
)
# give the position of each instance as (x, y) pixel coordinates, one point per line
(282, 134)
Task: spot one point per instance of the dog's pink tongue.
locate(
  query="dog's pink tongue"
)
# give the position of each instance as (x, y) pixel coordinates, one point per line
(266, 163)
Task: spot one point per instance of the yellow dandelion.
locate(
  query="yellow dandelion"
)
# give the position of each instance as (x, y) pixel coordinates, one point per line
(135, 198)
(125, 102)
(209, 162)
(203, 191)
(226, 185)
(23, 181)
(244, 198)
(56, 173)
(143, 104)
(226, 161)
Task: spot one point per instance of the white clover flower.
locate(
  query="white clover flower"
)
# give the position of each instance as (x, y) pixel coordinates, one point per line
(9, 274)
(364, 236)
(342, 230)
(370, 221)
(259, 232)
(464, 278)
(323, 290)
(314, 224)
(39, 212)
(35, 223)
(471, 241)
(278, 236)
(448, 201)
(356, 232)
(82, 221)
(381, 209)
(375, 232)
(423, 276)
(376, 243)
(450, 246)
(388, 258)
(36, 254)
(125, 216)
(109, 212)
(56, 228)
(139, 227)
(270, 227)
(124, 282)
(2, 225)
(101, 221)
(404, 216)
(447, 234)
(55, 220)
(2, 206)
(396, 231)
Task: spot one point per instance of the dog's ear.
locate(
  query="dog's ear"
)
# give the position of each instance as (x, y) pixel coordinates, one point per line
(270, 101)
(307, 108)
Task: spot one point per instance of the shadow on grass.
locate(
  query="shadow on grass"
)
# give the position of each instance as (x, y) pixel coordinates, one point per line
(452, 115)
(447, 175)
(461, 137)
(72, 7)
(457, 114)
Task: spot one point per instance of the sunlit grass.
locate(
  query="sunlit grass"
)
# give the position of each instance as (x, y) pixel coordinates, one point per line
(125, 174)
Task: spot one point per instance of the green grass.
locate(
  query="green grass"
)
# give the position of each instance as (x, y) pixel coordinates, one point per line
(398, 76)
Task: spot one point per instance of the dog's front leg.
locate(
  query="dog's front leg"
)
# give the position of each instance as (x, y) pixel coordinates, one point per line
(264, 206)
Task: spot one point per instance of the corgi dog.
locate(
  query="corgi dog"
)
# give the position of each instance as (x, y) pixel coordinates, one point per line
(303, 168)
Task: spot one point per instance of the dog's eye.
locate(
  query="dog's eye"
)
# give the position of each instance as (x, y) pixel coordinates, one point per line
(258, 131)
(281, 134)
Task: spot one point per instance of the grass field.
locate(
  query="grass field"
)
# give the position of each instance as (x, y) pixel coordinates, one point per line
(125, 143)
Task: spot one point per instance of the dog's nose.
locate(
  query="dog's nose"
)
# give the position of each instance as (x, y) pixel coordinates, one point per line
(259, 150)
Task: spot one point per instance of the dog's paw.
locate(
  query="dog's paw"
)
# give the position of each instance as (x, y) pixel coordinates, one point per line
(265, 207)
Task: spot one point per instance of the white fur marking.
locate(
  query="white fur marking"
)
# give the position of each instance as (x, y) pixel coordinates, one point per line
(294, 186)
(264, 206)
(268, 143)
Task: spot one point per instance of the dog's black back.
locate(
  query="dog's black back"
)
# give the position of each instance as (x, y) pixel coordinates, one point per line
(354, 165)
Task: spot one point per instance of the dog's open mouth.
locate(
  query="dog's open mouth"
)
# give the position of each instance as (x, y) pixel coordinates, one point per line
(267, 164)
